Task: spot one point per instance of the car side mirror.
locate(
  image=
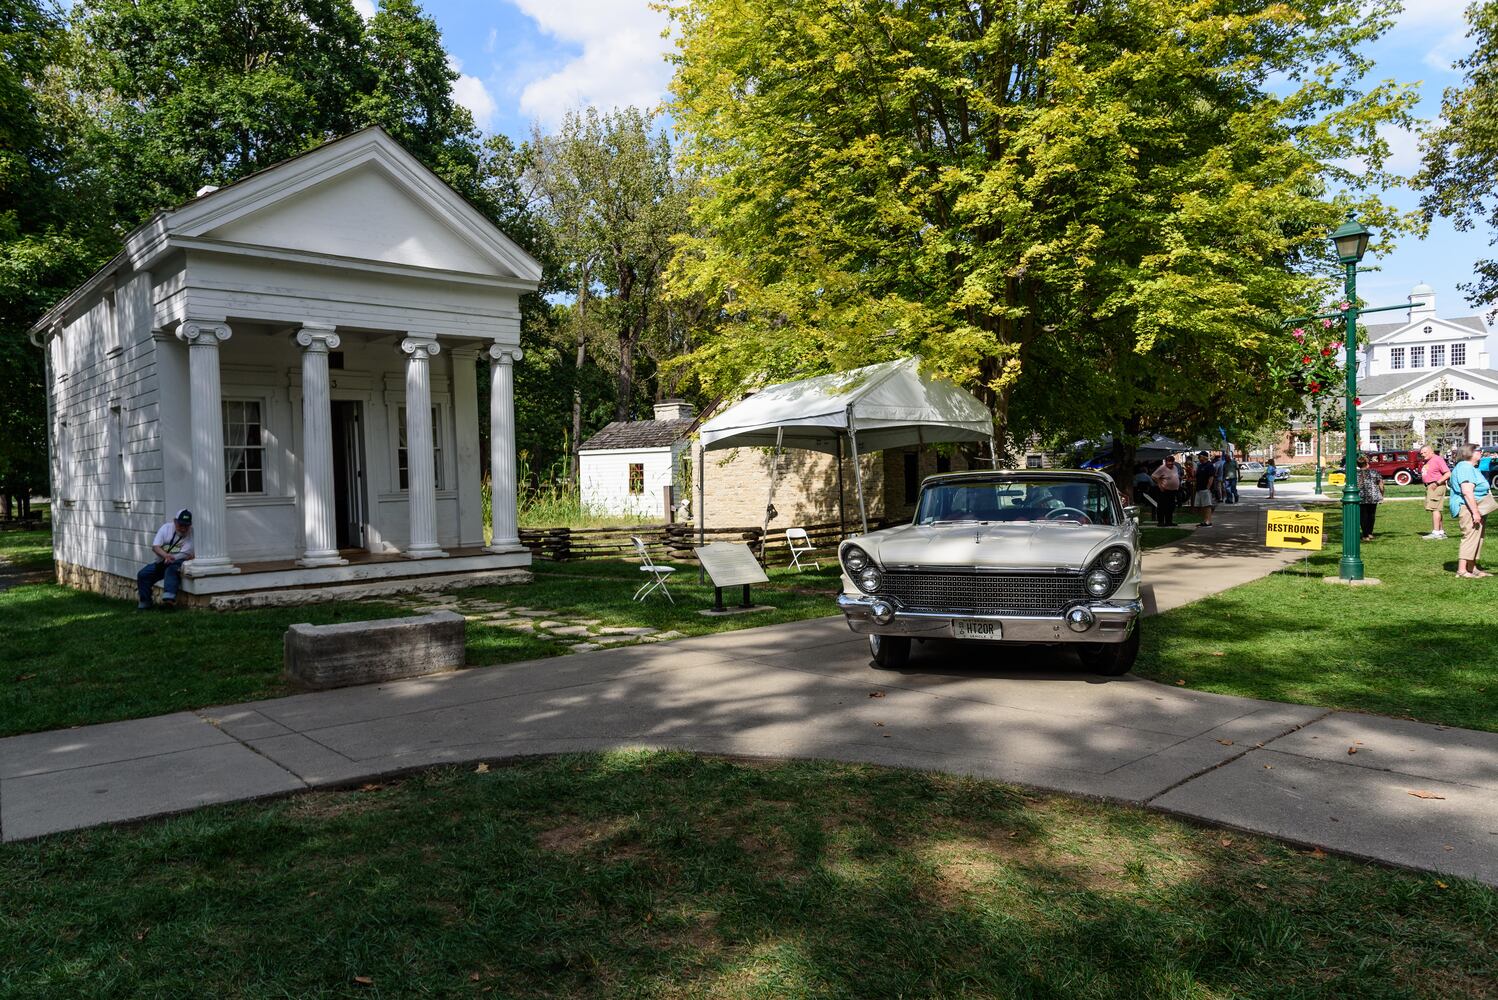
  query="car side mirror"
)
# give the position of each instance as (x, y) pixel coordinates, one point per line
(1132, 512)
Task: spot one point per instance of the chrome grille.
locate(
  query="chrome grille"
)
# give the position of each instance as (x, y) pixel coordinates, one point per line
(983, 593)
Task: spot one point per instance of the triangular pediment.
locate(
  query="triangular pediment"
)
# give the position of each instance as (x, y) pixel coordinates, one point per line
(1440, 331)
(362, 197)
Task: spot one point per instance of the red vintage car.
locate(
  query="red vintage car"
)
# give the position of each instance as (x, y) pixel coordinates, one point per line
(1403, 467)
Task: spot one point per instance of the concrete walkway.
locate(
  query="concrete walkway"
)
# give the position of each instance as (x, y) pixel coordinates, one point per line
(1417, 795)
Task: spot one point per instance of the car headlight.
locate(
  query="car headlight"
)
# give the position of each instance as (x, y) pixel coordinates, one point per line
(855, 559)
(868, 580)
(1099, 583)
(1116, 561)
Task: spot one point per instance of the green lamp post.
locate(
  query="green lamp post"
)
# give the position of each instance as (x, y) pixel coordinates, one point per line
(1351, 241)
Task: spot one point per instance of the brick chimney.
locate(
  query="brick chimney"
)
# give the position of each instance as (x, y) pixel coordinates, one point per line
(674, 409)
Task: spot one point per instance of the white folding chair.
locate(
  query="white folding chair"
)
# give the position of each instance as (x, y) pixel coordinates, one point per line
(799, 544)
(658, 574)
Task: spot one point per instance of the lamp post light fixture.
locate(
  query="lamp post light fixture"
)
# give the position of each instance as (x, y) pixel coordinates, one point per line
(1351, 241)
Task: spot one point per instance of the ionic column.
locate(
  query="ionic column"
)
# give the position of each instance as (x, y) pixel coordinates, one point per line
(206, 409)
(421, 472)
(320, 545)
(502, 447)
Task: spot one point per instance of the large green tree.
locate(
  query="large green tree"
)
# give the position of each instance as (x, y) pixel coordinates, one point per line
(50, 236)
(613, 201)
(1094, 213)
(183, 93)
(1460, 173)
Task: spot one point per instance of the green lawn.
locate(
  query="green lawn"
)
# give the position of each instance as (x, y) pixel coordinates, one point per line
(671, 875)
(25, 551)
(69, 658)
(1420, 646)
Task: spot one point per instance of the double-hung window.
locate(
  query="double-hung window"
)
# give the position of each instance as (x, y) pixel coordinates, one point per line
(244, 447)
(1396, 358)
(1417, 357)
(636, 478)
(400, 455)
(1458, 355)
(1438, 355)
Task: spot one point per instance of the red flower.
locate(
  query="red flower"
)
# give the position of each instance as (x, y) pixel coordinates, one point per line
(1326, 352)
(1357, 402)
(1315, 386)
(1305, 360)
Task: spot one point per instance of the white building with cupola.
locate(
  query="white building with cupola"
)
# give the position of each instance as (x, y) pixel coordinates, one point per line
(1427, 378)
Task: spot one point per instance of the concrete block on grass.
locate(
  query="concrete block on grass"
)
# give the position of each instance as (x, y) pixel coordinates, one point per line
(332, 656)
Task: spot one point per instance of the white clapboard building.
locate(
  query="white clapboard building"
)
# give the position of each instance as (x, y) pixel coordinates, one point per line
(1427, 379)
(626, 468)
(293, 357)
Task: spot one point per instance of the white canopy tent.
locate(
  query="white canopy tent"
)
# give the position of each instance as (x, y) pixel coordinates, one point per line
(888, 405)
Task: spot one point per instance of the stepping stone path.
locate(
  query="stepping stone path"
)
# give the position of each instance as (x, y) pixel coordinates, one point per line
(579, 634)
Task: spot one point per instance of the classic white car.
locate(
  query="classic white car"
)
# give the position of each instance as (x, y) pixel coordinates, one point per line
(1005, 557)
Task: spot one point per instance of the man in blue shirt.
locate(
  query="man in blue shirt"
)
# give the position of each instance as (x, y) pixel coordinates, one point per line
(1471, 501)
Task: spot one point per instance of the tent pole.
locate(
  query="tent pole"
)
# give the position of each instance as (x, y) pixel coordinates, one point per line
(993, 452)
(764, 531)
(863, 516)
(842, 513)
(701, 506)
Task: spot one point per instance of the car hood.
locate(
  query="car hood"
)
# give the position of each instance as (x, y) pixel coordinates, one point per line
(1018, 545)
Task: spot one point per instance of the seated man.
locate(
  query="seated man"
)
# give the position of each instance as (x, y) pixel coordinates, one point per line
(173, 547)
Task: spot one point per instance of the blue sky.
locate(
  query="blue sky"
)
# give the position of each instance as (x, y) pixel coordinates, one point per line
(528, 61)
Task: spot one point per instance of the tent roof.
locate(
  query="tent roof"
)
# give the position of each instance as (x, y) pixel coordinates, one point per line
(888, 405)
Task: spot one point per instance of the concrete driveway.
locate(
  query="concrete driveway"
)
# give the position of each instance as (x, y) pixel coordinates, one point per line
(807, 690)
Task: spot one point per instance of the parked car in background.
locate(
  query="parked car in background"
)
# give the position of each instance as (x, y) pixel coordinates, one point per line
(1002, 557)
(1250, 470)
(1281, 473)
(1401, 467)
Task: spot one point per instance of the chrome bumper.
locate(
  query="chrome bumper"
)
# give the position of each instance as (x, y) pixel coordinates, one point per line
(1111, 621)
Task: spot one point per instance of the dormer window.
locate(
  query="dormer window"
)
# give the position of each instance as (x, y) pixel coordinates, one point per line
(1458, 355)
(1438, 355)
(1396, 358)
(1417, 357)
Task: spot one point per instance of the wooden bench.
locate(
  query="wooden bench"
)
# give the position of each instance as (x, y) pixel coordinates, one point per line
(331, 656)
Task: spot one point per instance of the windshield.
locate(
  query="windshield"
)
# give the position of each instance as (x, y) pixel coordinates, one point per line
(1082, 501)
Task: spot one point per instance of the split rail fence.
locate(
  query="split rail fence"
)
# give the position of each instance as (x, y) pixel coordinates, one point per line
(674, 542)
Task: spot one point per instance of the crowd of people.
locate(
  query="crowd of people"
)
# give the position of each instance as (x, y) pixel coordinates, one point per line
(1459, 485)
(1203, 482)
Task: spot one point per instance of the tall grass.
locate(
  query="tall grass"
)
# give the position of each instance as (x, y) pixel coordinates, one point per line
(548, 500)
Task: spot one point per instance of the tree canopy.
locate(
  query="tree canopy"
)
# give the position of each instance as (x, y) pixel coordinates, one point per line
(1460, 170)
(1092, 213)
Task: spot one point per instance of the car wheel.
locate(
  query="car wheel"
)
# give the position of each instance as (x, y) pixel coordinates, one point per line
(890, 651)
(1114, 659)
(1403, 477)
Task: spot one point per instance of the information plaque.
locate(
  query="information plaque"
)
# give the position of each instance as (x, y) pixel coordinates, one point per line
(731, 564)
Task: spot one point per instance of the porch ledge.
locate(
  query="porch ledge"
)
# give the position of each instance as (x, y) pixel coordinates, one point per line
(274, 576)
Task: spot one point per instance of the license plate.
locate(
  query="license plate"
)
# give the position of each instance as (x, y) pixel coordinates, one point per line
(964, 629)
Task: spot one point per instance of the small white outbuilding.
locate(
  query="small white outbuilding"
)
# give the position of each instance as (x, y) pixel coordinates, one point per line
(639, 468)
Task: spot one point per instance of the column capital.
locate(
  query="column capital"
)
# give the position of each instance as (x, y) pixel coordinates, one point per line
(317, 339)
(420, 348)
(505, 354)
(206, 332)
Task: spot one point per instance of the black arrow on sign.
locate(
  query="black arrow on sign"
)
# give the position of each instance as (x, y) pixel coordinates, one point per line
(1297, 539)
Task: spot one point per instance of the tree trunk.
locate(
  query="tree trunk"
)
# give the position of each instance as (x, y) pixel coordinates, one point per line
(628, 334)
(574, 461)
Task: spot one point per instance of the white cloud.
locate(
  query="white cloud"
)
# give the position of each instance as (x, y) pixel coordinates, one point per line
(470, 92)
(621, 63)
(366, 8)
(493, 38)
(1443, 23)
(1404, 152)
